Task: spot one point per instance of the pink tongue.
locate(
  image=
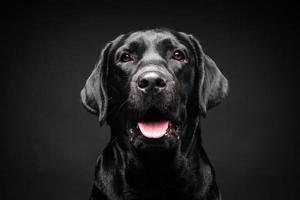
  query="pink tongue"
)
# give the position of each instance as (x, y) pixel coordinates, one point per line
(153, 129)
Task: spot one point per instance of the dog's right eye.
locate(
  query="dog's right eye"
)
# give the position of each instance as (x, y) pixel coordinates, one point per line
(125, 57)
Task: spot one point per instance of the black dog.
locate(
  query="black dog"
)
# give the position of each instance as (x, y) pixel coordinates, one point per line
(152, 87)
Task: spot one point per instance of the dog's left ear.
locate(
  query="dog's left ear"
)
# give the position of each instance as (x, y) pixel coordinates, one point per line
(94, 93)
(213, 86)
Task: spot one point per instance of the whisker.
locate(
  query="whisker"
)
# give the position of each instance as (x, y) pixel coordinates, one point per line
(114, 140)
(122, 105)
(119, 109)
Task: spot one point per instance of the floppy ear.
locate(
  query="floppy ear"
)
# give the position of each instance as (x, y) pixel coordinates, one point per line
(94, 93)
(213, 86)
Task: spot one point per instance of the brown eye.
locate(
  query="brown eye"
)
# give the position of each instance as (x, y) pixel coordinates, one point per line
(178, 55)
(125, 57)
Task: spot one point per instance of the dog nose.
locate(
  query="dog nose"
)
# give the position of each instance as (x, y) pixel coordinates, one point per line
(151, 82)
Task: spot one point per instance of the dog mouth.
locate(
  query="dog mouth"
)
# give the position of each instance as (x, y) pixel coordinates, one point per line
(154, 124)
(156, 129)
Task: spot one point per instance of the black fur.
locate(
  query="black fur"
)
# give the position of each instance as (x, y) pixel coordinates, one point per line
(174, 166)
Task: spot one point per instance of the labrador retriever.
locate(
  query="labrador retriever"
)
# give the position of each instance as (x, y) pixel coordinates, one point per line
(152, 87)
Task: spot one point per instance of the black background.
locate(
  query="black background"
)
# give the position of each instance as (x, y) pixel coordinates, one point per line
(49, 143)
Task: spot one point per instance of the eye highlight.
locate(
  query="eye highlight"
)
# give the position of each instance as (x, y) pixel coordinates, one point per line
(178, 55)
(125, 57)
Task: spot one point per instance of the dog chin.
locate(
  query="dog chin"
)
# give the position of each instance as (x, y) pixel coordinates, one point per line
(141, 142)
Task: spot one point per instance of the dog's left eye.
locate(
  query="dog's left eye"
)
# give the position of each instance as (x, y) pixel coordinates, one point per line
(125, 57)
(178, 55)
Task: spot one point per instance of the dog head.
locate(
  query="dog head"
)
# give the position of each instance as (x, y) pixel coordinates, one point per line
(151, 83)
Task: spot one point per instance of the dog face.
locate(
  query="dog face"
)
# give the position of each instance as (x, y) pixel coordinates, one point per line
(149, 83)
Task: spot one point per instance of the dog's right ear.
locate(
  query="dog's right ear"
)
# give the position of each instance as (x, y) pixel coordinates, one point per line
(94, 93)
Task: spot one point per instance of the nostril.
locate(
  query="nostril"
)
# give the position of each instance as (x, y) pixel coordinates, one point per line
(143, 83)
(159, 82)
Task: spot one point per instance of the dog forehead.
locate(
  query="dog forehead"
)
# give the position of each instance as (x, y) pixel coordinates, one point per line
(151, 38)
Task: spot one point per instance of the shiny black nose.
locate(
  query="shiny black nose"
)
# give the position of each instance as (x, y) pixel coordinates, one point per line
(150, 82)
